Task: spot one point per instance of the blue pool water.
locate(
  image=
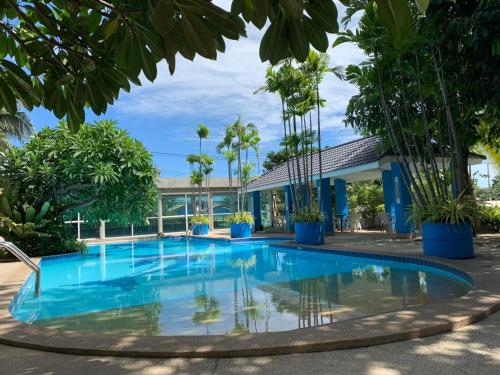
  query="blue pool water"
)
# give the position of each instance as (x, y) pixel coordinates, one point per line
(188, 287)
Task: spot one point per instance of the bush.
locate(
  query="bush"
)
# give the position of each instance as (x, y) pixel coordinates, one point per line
(55, 239)
(199, 219)
(451, 211)
(309, 215)
(490, 218)
(366, 198)
(240, 217)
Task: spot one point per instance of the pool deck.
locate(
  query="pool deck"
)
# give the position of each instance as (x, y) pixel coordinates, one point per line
(421, 321)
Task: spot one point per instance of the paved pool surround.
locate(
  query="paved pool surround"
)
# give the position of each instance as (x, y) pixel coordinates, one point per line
(420, 321)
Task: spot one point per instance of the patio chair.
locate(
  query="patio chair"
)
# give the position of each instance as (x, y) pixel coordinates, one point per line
(354, 222)
(385, 222)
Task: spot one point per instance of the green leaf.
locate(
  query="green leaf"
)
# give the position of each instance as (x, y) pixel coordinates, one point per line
(111, 27)
(341, 39)
(29, 212)
(148, 63)
(7, 99)
(273, 44)
(422, 5)
(298, 40)
(316, 37)
(324, 14)
(395, 16)
(260, 15)
(22, 80)
(42, 213)
(198, 36)
(293, 8)
(162, 15)
(495, 48)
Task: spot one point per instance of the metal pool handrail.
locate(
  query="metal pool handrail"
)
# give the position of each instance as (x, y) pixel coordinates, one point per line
(14, 250)
(189, 232)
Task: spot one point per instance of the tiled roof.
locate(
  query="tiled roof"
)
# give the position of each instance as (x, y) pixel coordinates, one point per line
(350, 154)
(184, 182)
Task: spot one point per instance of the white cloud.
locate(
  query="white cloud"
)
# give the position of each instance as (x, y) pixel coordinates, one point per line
(216, 92)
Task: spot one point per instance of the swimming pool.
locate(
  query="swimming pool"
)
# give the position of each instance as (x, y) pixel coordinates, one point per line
(197, 287)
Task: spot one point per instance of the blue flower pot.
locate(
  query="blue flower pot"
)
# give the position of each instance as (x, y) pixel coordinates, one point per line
(200, 229)
(310, 233)
(452, 241)
(241, 230)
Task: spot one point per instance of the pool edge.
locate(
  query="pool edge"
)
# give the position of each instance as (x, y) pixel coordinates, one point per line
(421, 321)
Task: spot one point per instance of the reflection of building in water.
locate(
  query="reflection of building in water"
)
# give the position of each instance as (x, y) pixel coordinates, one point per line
(313, 300)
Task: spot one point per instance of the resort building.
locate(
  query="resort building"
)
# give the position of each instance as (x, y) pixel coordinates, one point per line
(359, 160)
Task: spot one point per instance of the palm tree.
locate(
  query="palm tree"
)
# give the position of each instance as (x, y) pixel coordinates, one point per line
(193, 159)
(203, 133)
(316, 67)
(244, 137)
(207, 163)
(230, 157)
(17, 126)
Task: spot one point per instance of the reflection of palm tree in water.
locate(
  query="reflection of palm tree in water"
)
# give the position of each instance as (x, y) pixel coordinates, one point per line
(251, 309)
(207, 307)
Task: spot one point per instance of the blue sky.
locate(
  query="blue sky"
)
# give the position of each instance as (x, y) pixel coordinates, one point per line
(164, 114)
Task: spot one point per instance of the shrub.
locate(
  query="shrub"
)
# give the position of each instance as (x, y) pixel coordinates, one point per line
(451, 211)
(490, 217)
(55, 239)
(310, 214)
(199, 219)
(240, 217)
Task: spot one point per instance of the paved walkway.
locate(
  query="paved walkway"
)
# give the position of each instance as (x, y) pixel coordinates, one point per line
(471, 350)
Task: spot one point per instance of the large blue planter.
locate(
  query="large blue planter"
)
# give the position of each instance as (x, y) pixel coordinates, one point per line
(200, 229)
(310, 233)
(452, 241)
(241, 230)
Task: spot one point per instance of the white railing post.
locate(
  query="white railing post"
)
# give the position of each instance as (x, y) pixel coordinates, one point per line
(79, 236)
(102, 230)
(210, 211)
(132, 230)
(160, 214)
(186, 213)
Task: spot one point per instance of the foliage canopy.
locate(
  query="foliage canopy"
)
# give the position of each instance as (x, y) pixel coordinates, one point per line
(99, 171)
(66, 55)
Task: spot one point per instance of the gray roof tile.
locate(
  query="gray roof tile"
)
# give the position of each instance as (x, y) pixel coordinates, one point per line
(347, 155)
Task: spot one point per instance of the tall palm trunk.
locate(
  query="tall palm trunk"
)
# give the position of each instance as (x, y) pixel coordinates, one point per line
(239, 177)
(320, 161)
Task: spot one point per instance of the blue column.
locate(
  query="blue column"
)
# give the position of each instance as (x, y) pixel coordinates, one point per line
(325, 204)
(402, 200)
(288, 207)
(389, 198)
(341, 206)
(256, 209)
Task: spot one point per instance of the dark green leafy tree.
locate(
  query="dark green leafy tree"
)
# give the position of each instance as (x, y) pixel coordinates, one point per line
(428, 88)
(66, 55)
(100, 171)
(366, 198)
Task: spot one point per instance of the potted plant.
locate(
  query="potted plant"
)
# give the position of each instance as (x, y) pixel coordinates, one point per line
(447, 227)
(200, 225)
(241, 224)
(309, 226)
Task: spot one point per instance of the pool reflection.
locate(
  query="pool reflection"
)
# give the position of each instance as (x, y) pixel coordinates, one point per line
(178, 288)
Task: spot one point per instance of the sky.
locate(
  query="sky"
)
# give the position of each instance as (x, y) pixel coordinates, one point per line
(164, 114)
